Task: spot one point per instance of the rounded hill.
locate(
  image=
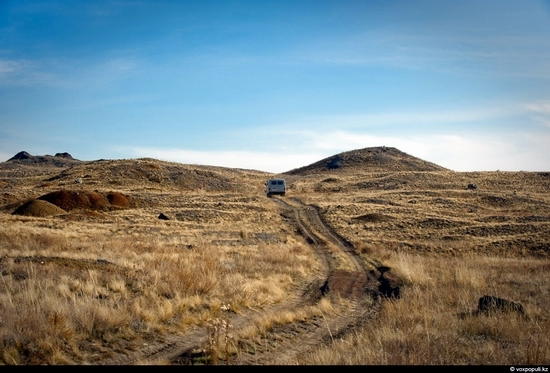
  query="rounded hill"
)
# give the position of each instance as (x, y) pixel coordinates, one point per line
(376, 159)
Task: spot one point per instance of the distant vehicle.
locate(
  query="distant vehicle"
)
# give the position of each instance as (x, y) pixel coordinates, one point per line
(275, 186)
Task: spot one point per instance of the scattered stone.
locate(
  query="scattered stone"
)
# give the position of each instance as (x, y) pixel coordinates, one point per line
(163, 217)
(489, 303)
(20, 275)
(389, 284)
(324, 289)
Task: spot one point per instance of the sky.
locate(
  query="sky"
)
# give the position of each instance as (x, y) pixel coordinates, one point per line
(276, 85)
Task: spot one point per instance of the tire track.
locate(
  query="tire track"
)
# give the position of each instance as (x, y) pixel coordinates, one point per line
(358, 284)
(353, 285)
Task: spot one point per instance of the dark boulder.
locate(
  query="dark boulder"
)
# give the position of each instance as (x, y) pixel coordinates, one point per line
(489, 303)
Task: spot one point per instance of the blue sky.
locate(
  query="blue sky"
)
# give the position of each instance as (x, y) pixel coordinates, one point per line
(275, 85)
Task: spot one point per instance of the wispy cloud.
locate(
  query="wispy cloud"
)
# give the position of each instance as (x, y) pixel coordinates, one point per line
(448, 142)
(507, 152)
(478, 152)
(10, 66)
(262, 161)
(26, 72)
(382, 119)
(540, 112)
(65, 72)
(5, 156)
(493, 51)
(120, 64)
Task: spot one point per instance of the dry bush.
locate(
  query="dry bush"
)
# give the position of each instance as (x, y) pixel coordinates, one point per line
(373, 250)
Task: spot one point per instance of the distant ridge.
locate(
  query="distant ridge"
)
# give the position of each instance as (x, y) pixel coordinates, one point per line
(379, 159)
(373, 159)
(59, 159)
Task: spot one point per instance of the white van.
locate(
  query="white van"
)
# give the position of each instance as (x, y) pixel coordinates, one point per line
(275, 186)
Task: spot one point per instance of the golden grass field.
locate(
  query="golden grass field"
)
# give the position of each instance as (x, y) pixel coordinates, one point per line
(102, 277)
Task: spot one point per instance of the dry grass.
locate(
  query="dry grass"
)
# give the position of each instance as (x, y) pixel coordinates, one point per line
(436, 321)
(89, 283)
(51, 305)
(77, 288)
(450, 246)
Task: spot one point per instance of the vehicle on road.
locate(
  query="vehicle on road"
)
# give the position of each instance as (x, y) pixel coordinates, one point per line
(275, 186)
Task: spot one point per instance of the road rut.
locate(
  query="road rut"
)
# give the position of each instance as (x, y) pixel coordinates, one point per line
(355, 284)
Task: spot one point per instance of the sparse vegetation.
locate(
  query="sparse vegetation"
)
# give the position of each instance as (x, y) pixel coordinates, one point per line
(95, 281)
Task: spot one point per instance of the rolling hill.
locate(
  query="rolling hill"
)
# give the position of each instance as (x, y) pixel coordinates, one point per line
(122, 261)
(375, 159)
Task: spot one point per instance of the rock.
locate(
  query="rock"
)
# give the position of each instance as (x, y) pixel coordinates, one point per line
(489, 303)
(163, 217)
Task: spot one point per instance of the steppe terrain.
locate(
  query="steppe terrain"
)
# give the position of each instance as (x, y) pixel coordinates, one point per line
(372, 257)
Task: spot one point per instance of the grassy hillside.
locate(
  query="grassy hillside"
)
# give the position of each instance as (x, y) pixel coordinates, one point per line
(95, 273)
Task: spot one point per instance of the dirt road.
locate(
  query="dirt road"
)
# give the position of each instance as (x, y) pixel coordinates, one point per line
(344, 277)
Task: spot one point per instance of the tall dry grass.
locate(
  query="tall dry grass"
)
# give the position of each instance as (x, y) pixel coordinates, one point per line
(435, 321)
(80, 288)
(77, 298)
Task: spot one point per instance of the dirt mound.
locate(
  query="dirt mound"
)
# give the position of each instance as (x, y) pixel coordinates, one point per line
(70, 200)
(87, 200)
(378, 159)
(38, 208)
(118, 199)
